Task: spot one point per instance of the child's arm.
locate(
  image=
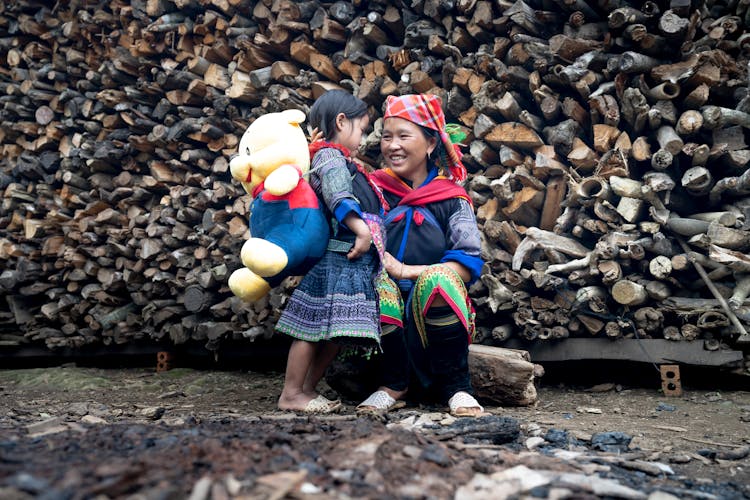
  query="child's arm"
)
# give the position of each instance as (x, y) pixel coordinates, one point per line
(364, 238)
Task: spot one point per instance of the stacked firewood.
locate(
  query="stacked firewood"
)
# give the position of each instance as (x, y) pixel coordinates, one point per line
(605, 144)
(619, 204)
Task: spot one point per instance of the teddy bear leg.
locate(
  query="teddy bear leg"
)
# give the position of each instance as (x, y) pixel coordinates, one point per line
(247, 285)
(263, 257)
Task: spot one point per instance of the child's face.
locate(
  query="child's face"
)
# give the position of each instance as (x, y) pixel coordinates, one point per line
(350, 131)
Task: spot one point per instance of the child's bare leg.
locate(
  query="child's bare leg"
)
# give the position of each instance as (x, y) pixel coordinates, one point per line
(323, 358)
(298, 363)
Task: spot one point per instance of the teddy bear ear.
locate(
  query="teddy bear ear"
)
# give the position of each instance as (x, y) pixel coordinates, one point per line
(295, 116)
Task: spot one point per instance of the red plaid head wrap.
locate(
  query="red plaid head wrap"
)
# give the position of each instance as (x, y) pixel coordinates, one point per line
(425, 110)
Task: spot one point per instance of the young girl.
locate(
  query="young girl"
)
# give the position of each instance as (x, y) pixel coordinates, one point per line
(336, 301)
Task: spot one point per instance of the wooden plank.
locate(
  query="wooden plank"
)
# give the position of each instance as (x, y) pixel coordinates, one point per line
(657, 351)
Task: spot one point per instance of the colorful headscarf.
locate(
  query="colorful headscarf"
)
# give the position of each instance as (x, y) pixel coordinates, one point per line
(425, 110)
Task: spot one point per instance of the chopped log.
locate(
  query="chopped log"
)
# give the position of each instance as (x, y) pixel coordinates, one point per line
(669, 140)
(513, 135)
(629, 293)
(503, 376)
(555, 193)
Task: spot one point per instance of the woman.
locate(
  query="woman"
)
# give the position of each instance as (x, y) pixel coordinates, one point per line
(433, 248)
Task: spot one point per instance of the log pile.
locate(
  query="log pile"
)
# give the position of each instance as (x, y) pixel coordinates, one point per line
(601, 137)
(619, 206)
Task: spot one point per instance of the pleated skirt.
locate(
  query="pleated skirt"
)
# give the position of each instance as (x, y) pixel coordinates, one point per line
(336, 300)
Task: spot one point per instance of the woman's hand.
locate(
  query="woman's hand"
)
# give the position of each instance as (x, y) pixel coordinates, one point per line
(393, 266)
(315, 135)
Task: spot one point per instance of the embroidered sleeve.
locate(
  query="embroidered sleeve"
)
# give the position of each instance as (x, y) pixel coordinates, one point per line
(331, 178)
(464, 241)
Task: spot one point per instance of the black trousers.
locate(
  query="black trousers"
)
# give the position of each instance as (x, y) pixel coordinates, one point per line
(441, 367)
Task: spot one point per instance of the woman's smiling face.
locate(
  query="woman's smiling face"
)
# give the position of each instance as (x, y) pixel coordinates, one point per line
(405, 149)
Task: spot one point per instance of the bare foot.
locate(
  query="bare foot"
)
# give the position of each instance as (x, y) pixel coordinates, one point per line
(294, 401)
(315, 403)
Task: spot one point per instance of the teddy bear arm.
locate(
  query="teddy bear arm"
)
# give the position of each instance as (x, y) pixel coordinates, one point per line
(282, 180)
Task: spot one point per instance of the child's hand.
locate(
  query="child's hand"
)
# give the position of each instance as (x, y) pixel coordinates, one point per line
(361, 246)
(316, 135)
(363, 240)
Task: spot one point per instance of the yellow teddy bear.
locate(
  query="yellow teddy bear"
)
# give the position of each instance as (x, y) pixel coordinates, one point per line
(288, 228)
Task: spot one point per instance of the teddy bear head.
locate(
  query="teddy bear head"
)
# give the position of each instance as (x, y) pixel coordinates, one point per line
(272, 140)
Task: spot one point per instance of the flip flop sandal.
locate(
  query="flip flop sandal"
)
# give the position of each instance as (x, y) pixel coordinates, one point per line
(462, 402)
(379, 402)
(321, 405)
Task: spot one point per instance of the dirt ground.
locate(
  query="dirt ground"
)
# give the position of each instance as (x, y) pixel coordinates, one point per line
(695, 434)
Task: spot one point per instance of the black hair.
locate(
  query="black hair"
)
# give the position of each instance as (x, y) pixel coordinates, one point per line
(439, 156)
(328, 106)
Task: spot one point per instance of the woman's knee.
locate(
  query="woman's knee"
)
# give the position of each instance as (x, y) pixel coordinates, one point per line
(439, 276)
(436, 275)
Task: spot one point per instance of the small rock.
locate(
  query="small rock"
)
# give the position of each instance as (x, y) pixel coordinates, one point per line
(412, 451)
(436, 454)
(91, 419)
(27, 482)
(581, 435)
(601, 388)
(309, 489)
(153, 412)
(611, 441)
(601, 487)
(665, 407)
(559, 494)
(14, 494)
(171, 394)
(201, 489)
(233, 485)
(174, 421)
(48, 426)
(585, 409)
(567, 455)
(712, 397)
(533, 429)
(557, 438)
(650, 468)
(680, 459)
(345, 476)
(594, 468)
(78, 409)
(430, 417)
(534, 442)
(661, 495)
(448, 420)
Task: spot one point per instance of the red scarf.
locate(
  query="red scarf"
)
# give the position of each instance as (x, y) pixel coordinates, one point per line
(318, 145)
(439, 189)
